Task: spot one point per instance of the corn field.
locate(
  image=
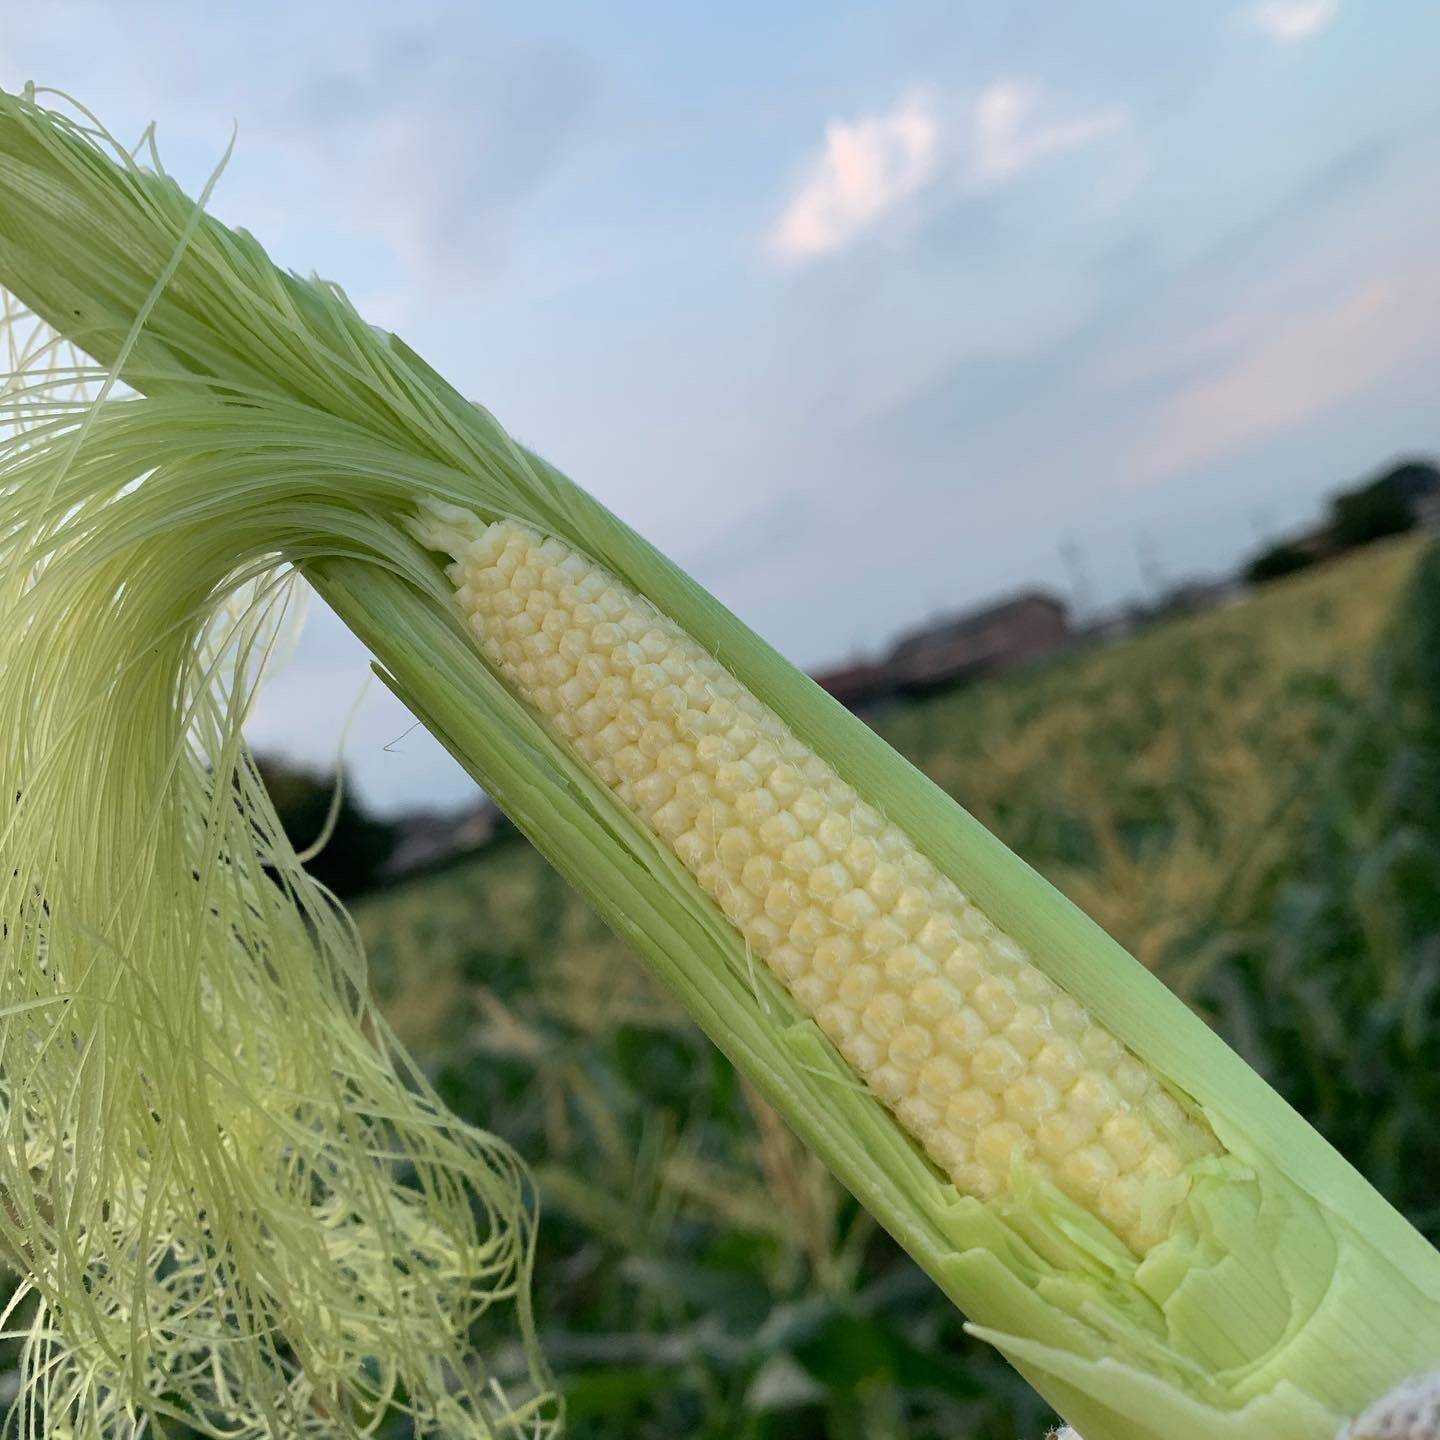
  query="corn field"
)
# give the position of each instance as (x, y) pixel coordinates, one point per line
(1246, 799)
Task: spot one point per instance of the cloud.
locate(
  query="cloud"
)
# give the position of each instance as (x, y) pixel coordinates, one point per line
(869, 166)
(1264, 379)
(419, 127)
(1286, 21)
(1006, 141)
(442, 166)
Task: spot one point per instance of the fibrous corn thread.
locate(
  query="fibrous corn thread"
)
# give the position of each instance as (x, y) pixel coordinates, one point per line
(980, 1056)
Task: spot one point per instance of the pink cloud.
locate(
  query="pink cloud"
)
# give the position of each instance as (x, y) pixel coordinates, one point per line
(1283, 375)
(868, 167)
(1009, 139)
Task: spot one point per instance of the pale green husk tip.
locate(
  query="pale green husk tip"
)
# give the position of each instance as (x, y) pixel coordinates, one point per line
(232, 1195)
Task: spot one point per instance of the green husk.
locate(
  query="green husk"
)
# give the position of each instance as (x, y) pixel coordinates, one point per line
(272, 428)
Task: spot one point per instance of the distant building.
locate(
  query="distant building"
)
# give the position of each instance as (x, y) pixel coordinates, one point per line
(1116, 625)
(428, 839)
(1010, 633)
(420, 841)
(479, 826)
(860, 686)
(1190, 597)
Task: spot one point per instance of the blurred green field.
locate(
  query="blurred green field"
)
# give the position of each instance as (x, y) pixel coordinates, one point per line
(1248, 799)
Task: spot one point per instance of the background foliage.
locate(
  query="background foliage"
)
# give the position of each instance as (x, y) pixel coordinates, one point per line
(357, 844)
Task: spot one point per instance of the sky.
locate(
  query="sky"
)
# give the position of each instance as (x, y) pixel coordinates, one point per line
(862, 312)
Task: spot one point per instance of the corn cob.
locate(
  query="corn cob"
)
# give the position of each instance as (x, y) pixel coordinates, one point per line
(1233, 1280)
(945, 1017)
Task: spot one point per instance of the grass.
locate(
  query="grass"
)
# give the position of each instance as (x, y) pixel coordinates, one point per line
(1239, 797)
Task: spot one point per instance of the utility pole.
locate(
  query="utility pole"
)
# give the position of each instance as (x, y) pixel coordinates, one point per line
(1081, 590)
(1152, 573)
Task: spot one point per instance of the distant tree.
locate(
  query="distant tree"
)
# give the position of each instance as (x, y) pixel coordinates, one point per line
(1278, 560)
(1383, 506)
(350, 861)
(1413, 478)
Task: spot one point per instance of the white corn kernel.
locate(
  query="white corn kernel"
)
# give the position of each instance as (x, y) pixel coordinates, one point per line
(946, 1018)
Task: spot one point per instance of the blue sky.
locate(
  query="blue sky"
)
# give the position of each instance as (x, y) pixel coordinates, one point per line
(861, 311)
